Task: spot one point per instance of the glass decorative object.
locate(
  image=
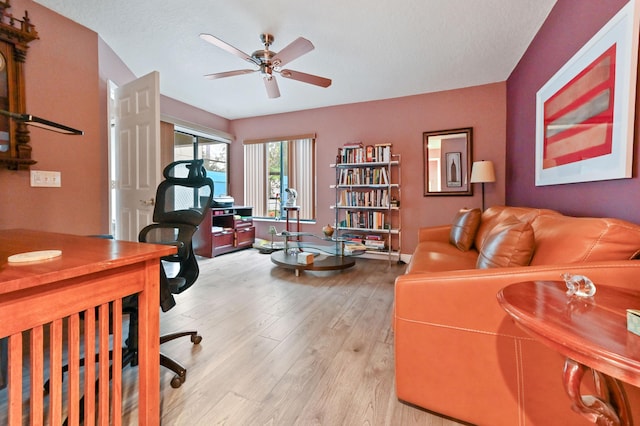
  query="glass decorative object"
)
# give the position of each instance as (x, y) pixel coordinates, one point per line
(579, 285)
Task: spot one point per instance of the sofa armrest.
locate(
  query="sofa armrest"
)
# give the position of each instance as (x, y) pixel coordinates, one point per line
(467, 299)
(458, 352)
(434, 233)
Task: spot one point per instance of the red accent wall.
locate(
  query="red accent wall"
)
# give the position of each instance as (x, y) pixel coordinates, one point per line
(569, 26)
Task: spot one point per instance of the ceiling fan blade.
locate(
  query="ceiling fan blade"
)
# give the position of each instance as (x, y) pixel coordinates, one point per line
(306, 78)
(272, 87)
(293, 50)
(227, 74)
(229, 48)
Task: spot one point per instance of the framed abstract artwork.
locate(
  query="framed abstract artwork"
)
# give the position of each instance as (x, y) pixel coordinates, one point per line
(585, 112)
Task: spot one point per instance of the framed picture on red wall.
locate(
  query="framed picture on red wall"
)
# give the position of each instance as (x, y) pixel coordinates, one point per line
(585, 112)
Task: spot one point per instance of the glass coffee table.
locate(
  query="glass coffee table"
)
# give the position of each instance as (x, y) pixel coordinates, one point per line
(326, 257)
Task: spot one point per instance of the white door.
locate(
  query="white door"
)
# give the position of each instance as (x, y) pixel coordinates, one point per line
(136, 155)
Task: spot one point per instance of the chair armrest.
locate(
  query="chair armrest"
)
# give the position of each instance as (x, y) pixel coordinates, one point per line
(434, 233)
(178, 244)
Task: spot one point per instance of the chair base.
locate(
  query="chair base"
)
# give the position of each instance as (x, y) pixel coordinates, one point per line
(176, 367)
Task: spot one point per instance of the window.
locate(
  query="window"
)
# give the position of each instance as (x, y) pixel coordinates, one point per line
(273, 165)
(188, 146)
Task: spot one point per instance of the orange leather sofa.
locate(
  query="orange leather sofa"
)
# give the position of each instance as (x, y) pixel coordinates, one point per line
(458, 353)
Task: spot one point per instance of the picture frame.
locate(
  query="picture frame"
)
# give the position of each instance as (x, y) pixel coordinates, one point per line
(585, 113)
(447, 162)
(454, 178)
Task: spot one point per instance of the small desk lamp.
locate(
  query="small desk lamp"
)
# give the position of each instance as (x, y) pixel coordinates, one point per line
(482, 172)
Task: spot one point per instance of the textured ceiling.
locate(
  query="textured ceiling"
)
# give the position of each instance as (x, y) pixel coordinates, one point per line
(371, 49)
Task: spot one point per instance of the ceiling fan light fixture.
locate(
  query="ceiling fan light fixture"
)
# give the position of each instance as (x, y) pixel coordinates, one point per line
(268, 62)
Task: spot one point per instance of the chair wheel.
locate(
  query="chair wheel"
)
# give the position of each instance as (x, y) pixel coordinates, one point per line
(196, 338)
(177, 381)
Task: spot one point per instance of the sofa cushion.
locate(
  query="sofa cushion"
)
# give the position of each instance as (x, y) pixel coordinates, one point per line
(439, 256)
(495, 214)
(509, 243)
(566, 239)
(464, 228)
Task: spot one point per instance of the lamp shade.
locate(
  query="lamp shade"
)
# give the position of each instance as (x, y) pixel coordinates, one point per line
(482, 171)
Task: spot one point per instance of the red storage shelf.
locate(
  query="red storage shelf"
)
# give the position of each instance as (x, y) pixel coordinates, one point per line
(224, 230)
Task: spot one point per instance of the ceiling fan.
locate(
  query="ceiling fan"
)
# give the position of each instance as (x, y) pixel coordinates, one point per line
(269, 62)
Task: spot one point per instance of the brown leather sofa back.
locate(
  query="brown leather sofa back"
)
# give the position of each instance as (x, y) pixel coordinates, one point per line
(496, 214)
(567, 239)
(564, 239)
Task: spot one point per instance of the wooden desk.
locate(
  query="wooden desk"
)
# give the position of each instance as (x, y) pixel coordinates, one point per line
(41, 297)
(591, 333)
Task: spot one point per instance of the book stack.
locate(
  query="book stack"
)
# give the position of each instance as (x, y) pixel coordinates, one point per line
(374, 242)
(354, 238)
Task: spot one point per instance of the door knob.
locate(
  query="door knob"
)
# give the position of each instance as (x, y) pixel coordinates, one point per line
(149, 202)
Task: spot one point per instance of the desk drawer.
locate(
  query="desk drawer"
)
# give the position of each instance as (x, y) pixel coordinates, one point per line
(246, 236)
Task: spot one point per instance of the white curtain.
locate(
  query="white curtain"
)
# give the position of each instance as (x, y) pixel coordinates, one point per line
(302, 175)
(255, 178)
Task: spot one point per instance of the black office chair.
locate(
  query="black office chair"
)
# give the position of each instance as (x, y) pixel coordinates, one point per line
(181, 202)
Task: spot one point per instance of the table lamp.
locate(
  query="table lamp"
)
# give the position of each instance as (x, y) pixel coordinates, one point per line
(482, 172)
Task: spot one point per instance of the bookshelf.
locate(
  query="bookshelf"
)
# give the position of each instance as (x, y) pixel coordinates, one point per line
(367, 198)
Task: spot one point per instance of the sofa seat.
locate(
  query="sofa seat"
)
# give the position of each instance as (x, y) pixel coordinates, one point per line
(459, 354)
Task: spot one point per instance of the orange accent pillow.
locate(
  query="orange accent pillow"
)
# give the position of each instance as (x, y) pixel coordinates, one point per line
(464, 228)
(509, 243)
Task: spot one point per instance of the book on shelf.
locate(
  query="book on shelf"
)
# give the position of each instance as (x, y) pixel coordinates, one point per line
(356, 152)
(357, 238)
(365, 219)
(383, 152)
(353, 144)
(376, 198)
(363, 176)
(375, 245)
(370, 155)
(353, 248)
(384, 178)
(351, 153)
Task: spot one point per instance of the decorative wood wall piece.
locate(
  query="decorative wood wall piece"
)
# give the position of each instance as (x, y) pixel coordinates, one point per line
(15, 36)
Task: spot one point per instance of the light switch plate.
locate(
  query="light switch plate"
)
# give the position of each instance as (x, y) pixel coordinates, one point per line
(45, 178)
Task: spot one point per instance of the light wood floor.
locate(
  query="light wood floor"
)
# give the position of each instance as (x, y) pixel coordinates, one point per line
(282, 350)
